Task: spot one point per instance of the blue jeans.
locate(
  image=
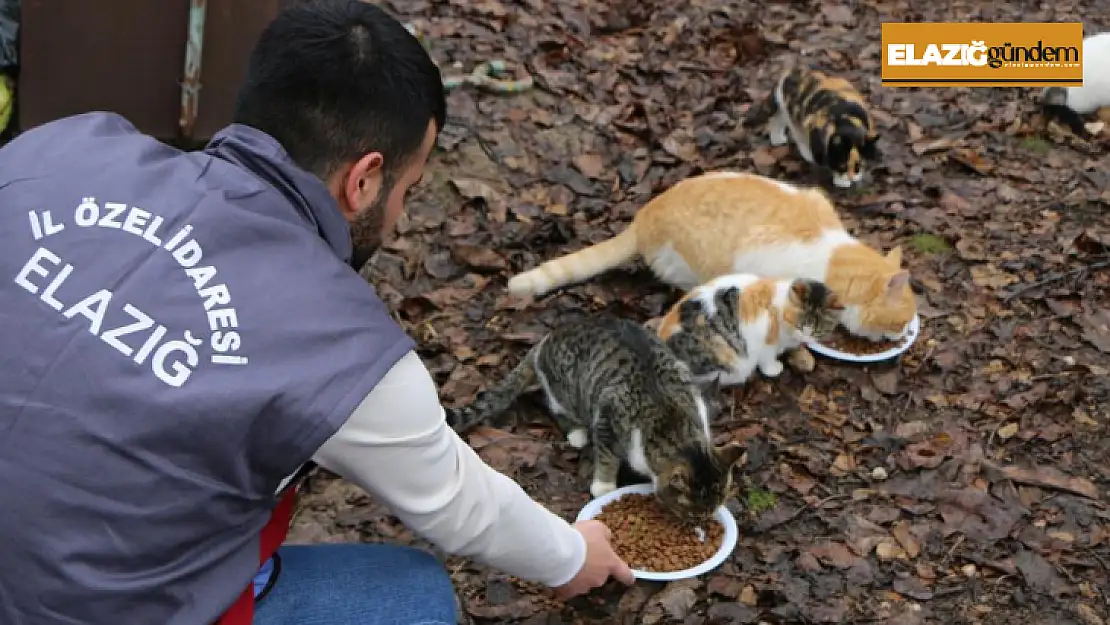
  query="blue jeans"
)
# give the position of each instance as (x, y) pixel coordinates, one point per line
(358, 584)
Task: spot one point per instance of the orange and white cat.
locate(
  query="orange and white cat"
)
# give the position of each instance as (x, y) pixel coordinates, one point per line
(726, 222)
(728, 327)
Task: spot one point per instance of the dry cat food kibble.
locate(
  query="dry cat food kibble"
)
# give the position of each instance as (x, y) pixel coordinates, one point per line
(842, 341)
(648, 538)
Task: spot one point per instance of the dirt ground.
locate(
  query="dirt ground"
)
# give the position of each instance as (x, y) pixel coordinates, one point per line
(965, 483)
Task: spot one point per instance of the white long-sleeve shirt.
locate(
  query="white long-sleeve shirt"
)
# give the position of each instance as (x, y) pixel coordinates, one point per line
(398, 447)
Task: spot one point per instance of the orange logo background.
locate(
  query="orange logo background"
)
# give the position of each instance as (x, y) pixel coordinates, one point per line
(962, 54)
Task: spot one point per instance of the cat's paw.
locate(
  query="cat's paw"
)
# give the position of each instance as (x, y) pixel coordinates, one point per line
(802, 360)
(598, 489)
(577, 438)
(771, 369)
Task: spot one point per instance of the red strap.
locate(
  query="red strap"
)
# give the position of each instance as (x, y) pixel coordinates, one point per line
(273, 535)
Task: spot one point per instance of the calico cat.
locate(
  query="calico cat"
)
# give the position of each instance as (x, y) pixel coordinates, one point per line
(730, 326)
(828, 122)
(1070, 104)
(724, 222)
(612, 382)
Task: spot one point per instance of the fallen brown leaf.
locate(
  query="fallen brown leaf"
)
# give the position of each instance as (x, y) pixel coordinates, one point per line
(972, 159)
(835, 554)
(591, 165)
(905, 537)
(926, 454)
(1096, 330)
(1040, 576)
(503, 450)
(1050, 477)
(472, 189)
(675, 601)
(978, 515)
(479, 257)
(926, 146)
(732, 614)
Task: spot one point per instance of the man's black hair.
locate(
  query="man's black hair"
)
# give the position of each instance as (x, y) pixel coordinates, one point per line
(332, 80)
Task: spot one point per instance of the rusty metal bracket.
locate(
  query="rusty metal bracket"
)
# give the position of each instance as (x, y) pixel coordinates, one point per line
(190, 86)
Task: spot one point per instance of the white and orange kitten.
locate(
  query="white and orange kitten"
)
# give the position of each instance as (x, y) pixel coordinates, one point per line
(730, 326)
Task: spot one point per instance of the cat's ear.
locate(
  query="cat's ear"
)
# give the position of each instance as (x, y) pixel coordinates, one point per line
(799, 291)
(730, 296)
(833, 302)
(897, 282)
(711, 390)
(688, 311)
(679, 478)
(730, 454)
(870, 148)
(818, 145)
(894, 256)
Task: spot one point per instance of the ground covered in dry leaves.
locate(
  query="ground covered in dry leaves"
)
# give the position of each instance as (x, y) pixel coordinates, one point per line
(965, 483)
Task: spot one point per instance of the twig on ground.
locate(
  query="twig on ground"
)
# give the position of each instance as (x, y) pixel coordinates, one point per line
(1056, 277)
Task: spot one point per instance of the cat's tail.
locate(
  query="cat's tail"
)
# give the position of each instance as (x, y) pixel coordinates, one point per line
(493, 401)
(578, 266)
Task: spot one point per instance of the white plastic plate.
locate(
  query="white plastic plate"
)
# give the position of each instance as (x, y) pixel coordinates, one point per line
(911, 336)
(728, 543)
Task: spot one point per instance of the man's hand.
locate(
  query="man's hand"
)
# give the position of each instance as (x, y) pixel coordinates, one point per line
(601, 562)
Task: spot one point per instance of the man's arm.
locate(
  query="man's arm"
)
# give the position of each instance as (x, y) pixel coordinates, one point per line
(397, 446)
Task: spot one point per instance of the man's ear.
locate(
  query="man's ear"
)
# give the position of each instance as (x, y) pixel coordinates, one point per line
(363, 182)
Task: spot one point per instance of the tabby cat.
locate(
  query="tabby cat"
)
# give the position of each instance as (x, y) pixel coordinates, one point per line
(612, 382)
(720, 223)
(728, 327)
(828, 122)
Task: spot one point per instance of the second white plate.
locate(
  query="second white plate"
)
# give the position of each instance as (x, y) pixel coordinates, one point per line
(911, 336)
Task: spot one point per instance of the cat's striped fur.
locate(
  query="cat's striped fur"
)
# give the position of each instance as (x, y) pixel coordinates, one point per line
(611, 382)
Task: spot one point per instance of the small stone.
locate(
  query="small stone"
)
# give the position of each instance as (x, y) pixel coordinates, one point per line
(1008, 431)
(808, 563)
(968, 570)
(878, 474)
